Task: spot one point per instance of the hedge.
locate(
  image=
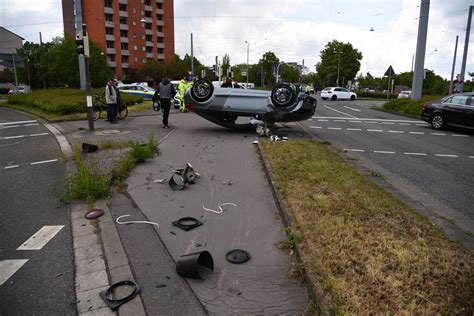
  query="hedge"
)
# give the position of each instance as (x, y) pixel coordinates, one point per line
(375, 95)
(62, 101)
(408, 106)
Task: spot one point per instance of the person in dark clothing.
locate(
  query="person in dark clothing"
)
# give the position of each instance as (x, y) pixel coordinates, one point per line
(119, 98)
(164, 93)
(111, 100)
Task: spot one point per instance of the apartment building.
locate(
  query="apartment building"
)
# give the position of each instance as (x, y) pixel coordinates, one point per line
(130, 32)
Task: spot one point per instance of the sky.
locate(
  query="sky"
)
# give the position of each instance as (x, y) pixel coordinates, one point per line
(294, 30)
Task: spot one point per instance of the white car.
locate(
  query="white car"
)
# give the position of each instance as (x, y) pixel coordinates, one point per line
(337, 93)
(404, 94)
(19, 89)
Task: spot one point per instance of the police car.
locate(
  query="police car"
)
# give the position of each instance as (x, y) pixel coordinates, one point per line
(139, 89)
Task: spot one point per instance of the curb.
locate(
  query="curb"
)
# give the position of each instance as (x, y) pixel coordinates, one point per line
(99, 257)
(316, 296)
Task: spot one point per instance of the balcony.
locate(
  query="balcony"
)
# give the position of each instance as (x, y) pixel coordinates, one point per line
(124, 27)
(125, 65)
(159, 11)
(150, 55)
(149, 44)
(110, 37)
(109, 24)
(160, 45)
(160, 34)
(159, 1)
(160, 56)
(124, 40)
(123, 14)
(149, 32)
(111, 63)
(148, 8)
(125, 52)
(110, 51)
(160, 23)
(108, 10)
(123, 1)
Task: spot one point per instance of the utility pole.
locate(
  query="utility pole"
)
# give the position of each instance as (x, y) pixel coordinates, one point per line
(192, 56)
(420, 50)
(82, 61)
(338, 64)
(466, 46)
(82, 41)
(14, 71)
(454, 65)
(247, 64)
(28, 70)
(412, 61)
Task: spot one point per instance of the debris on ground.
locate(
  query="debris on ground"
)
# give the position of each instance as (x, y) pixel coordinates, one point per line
(183, 176)
(134, 222)
(237, 256)
(187, 223)
(220, 208)
(114, 304)
(89, 148)
(193, 265)
(95, 213)
(159, 181)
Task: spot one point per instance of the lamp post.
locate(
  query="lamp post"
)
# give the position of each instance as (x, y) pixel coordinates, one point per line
(28, 70)
(247, 64)
(338, 65)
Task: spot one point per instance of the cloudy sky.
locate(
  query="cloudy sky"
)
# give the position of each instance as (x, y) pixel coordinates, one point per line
(294, 30)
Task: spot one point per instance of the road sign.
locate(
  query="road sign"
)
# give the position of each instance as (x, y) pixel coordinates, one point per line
(389, 71)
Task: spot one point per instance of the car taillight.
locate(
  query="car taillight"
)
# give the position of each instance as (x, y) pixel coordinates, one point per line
(329, 92)
(189, 106)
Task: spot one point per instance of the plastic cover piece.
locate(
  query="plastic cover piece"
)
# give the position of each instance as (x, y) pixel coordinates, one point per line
(193, 265)
(114, 304)
(88, 148)
(187, 223)
(237, 256)
(95, 213)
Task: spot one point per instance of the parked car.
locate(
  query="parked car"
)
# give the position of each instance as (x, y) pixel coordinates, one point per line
(404, 94)
(20, 89)
(137, 89)
(455, 110)
(337, 93)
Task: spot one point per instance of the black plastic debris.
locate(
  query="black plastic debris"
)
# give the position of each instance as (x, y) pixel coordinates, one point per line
(187, 223)
(114, 304)
(237, 256)
(95, 213)
(88, 148)
(176, 186)
(182, 176)
(195, 265)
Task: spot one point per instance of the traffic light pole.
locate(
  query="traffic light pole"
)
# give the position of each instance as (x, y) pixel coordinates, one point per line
(466, 47)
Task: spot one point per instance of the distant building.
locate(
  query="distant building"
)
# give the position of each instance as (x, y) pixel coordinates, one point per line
(9, 43)
(130, 32)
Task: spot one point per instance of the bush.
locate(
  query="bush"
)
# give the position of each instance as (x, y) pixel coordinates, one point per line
(61, 101)
(375, 95)
(408, 106)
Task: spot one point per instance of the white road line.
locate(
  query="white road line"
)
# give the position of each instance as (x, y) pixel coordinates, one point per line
(371, 122)
(399, 132)
(40, 134)
(11, 126)
(335, 128)
(422, 124)
(417, 133)
(40, 238)
(363, 119)
(438, 134)
(18, 122)
(458, 135)
(375, 130)
(323, 120)
(9, 267)
(315, 127)
(356, 110)
(355, 150)
(415, 154)
(33, 124)
(339, 113)
(355, 121)
(471, 157)
(44, 161)
(383, 152)
(12, 166)
(404, 123)
(339, 121)
(13, 137)
(353, 129)
(389, 123)
(449, 156)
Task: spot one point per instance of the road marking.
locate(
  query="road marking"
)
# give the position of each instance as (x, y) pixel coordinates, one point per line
(404, 123)
(339, 121)
(40, 134)
(315, 127)
(33, 124)
(471, 157)
(389, 123)
(458, 135)
(12, 166)
(40, 238)
(383, 152)
(415, 154)
(417, 133)
(449, 156)
(375, 130)
(323, 120)
(355, 121)
(13, 137)
(425, 124)
(353, 129)
(355, 150)
(18, 122)
(438, 134)
(363, 119)
(399, 132)
(335, 128)
(356, 110)
(339, 112)
(9, 267)
(44, 161)
(11, 126)
(370, 122)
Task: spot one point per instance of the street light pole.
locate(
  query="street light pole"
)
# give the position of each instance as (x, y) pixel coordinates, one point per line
(247, 64)
(338, 65)
(466, 47)
(454, 65)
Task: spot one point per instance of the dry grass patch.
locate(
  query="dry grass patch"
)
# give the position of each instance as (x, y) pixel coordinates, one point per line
(369, 251)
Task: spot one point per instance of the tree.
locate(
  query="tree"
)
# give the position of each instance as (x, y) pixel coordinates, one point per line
(225, 65)
(7, 76)
(434, 84)
(269, 62)
(336, 53)
(289, 73)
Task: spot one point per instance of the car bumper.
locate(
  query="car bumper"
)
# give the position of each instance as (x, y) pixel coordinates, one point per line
(425, 117)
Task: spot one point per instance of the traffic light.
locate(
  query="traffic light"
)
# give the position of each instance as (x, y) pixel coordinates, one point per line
(82, 45)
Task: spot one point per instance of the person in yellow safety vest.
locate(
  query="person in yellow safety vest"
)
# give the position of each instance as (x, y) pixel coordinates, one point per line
(308, 88)
(182, 87)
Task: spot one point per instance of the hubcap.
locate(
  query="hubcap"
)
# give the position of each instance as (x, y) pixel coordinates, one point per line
(437, 121)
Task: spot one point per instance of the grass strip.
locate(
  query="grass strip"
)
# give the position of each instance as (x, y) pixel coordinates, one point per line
(371, 253)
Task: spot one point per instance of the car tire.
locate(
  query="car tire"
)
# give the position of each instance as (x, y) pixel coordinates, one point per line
(202, 90)
(437, 121)
(334, 97)
(353, 97)
(283, 95)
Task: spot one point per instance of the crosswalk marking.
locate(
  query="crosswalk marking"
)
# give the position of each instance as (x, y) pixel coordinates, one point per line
(40, 238)
(9, 267)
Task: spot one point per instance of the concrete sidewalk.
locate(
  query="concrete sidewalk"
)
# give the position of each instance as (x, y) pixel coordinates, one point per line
(230, 172)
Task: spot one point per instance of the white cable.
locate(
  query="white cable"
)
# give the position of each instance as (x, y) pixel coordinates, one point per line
(134, 222)
(220, 206)
(210, 210)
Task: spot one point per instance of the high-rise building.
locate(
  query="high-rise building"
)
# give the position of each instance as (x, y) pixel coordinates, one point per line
(130, 32)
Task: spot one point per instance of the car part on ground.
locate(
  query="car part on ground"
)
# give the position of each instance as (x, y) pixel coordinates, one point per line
(185, 175)
(191, 265)
(237, 256)
(89, 148)
(226, 107)
(94, 213)
(187, 223)
(108, 294)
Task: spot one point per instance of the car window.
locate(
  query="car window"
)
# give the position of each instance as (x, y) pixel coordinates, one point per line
(344, 90)
(459, 99)
(337, 89)
(447, 100)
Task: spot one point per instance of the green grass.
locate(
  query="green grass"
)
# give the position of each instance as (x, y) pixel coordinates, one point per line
(367, 250)
(408, 106)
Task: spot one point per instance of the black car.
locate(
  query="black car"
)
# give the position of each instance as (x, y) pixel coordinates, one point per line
(454, 110)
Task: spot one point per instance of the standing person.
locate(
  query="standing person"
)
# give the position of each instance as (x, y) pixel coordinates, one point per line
(165, 92)
(308, 89)
(111, 100)
(182, 86)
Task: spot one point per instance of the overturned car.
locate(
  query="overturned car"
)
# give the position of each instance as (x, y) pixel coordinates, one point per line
(226, 106)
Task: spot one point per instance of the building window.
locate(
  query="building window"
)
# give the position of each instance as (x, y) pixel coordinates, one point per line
(110, 44)
(148, 26)
(159, 6)
(123, 33)
(109, 31)
(123, 20)
(109, 17)
(124, 46)
(147, 2)
(159, 17)
(148, 38)
(160, 51)
(149, 50)
(108, 3)
(160, 28)
(122, 7)
(111, 57)
(160, 39)
(124, 59)
(148, 14)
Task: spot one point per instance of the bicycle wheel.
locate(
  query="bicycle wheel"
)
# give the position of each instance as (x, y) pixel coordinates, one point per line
(122, 112)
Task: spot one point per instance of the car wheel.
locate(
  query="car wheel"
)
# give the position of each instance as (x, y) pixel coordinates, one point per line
(437, 121)
(202, 90)
(283, 95)
(353, 97)
(334, 97)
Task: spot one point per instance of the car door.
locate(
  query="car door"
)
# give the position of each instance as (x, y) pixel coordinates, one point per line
(455, 109)
(470, 112)
(345, 93)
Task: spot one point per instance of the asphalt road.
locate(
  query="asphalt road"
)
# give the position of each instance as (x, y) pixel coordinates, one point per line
(432, 168)
(36, 274)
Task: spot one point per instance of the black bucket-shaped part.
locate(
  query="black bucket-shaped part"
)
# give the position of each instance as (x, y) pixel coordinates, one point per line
(88, 148)
(191, 265)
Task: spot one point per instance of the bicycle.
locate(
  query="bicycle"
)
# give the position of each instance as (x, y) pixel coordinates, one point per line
(100, 106)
